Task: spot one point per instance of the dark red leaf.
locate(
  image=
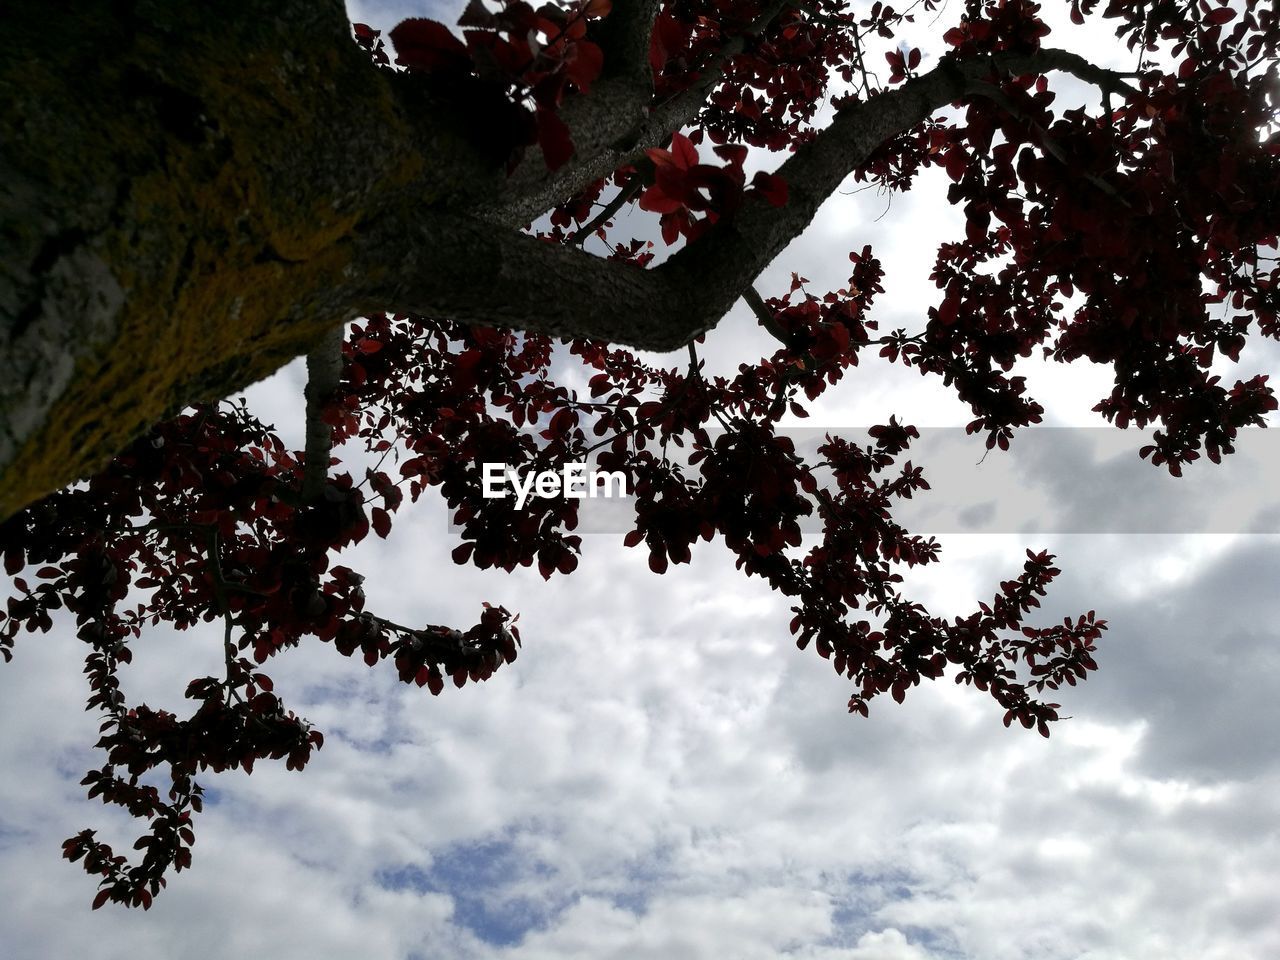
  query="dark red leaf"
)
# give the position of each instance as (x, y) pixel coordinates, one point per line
(423, 44)
(772, 187)
(477, 14)
(381, 522)
(683, 150)
(584, 67)
(656, 201)
(554, 138)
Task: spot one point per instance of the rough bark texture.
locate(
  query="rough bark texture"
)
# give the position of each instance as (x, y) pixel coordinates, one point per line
(193, 194)
(178, 187)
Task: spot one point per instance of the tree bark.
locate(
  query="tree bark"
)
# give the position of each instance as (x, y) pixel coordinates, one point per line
(179, 186)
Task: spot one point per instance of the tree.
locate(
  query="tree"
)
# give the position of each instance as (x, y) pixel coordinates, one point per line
(235, 184)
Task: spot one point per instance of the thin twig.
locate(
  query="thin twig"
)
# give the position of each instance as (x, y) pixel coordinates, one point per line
(763, 313)
(623, 197)
(220, 593)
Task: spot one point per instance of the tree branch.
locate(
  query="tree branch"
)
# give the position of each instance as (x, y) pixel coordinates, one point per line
(624, 36)
(324, 368)
(1050, 59)
(442, 640)
(624, 196)
(763, 313)
(462, 268)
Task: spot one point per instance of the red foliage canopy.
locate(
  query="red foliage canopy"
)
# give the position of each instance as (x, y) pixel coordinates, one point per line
(1141, 235)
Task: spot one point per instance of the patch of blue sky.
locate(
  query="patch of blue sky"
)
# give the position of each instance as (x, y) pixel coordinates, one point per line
(331, 689)
(858, 898)
(937, 943)
(72, 762)
(484, 879)
(329, 702)
(637, 880)
(383, 744)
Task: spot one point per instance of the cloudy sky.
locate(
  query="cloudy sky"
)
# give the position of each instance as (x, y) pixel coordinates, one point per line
(663, 775)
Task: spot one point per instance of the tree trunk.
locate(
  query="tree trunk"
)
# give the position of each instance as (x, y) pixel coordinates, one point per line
(179, 184)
